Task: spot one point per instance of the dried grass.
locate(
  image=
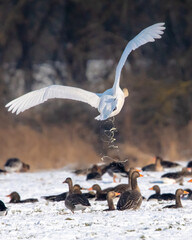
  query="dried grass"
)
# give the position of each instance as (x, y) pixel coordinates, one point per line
(52, 148)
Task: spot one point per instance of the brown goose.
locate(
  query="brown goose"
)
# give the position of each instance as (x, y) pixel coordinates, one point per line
(110, 197)
(176, 176)
(81, 171)
(101, 195)
(95, 168)
(157, 166)
(118, 170)
(178, 194)
(16, 165)
(131, 199)
(77, 189)
(59, 197)
(120, 188)
(75, 200)
(187, 172)
(159, 196)
(96, 173)
(167, 164)
(15, 198)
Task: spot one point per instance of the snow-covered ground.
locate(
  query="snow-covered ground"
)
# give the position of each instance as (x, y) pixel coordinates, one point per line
(47, 220)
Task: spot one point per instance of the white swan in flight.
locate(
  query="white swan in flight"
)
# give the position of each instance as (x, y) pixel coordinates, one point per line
(108, 103)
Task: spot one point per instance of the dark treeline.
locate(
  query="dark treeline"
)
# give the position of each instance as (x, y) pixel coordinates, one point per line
(73, 32)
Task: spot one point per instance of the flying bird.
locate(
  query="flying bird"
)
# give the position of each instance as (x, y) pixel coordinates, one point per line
(108, 103)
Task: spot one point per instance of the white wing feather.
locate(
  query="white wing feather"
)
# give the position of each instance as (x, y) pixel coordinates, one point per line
(149, 34)
(37, 97)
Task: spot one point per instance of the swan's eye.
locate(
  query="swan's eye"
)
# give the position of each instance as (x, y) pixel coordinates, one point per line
(115, 109)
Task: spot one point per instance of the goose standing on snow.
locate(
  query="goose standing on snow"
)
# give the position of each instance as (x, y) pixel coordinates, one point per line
(59, 197)
(108, 103)
(75, 200)
(132, 199)
(123, 187)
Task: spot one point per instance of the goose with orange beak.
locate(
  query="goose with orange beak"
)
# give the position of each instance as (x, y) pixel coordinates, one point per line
(101, 195)
(75, 200)
(110, 197)
(158, 196)
(176, 177)
(178, 194)
(132, 199)
(123, 187)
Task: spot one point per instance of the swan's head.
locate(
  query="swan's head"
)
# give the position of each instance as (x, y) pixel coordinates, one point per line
(126, 93)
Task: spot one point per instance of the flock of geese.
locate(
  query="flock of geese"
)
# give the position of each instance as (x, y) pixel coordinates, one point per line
(129, 195)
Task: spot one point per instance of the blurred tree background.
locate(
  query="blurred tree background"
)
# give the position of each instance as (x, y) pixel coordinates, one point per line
(78, 43)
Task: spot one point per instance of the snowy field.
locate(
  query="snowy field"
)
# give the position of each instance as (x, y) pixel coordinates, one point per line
(48, 220)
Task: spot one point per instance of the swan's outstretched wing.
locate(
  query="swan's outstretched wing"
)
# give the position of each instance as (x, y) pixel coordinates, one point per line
(34, 98)
(149, 34)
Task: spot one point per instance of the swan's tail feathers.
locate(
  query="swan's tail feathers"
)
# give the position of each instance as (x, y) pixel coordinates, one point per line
(101, 117)
(97, 118)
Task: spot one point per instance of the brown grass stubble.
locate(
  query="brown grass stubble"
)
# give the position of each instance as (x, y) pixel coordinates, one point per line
(56, 146)
(53, 147)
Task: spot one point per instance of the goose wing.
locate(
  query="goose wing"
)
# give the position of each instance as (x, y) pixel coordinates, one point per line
(149, 34)
(76, 199)
(37, 97)
(129, 200)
